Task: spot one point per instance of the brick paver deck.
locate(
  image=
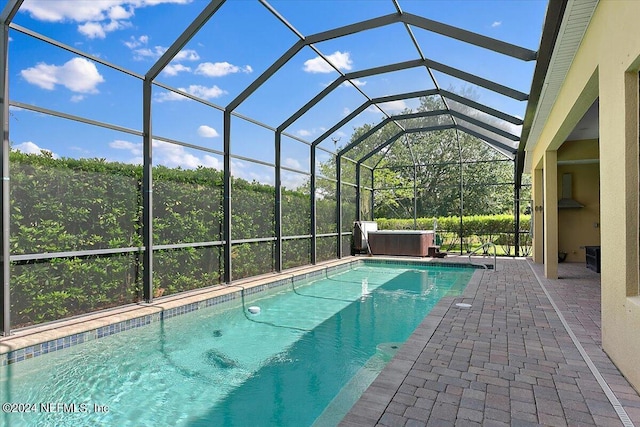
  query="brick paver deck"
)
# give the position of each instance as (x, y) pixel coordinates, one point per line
(506, 360)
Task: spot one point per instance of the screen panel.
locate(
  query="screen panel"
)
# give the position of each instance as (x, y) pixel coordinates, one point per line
(63, 287)
(184, 269)
(73, 197)
(252, 200)
(296, 253)
(326, 248)
(252, 259)
(326, 206)
(187, 203)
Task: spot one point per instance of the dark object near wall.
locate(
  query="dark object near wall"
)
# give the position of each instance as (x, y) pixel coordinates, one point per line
(593, 258)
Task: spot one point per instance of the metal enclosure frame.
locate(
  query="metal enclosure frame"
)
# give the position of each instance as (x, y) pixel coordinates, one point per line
(407, 20)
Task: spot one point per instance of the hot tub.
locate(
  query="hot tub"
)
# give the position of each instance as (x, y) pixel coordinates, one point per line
(401, 242)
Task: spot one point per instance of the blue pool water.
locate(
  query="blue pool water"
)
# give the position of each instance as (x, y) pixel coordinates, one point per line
(302, 361)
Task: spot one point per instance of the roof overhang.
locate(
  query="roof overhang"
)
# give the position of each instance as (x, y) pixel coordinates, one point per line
(565, 25)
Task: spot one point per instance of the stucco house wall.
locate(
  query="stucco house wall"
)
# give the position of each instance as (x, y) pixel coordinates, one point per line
(605, 67)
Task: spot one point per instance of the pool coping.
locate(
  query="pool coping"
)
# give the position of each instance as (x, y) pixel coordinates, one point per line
(31, 342)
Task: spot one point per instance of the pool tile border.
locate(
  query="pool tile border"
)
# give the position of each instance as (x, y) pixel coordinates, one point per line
(9, 354)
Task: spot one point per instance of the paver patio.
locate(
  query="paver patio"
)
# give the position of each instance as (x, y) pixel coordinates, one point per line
(506, 360)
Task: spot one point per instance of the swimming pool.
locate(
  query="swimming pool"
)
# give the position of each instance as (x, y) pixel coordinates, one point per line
(304, 359)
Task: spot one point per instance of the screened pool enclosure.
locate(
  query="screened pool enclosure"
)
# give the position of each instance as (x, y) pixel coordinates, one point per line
(155, 147)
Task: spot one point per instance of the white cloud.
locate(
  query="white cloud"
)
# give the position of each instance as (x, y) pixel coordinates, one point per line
(99, 30)
(292, 163)
(346, 111)
(195, 90)
(77, 98)
(126, 145)
(172, 155)
(496, 24)
(169, 96)
(219, 69)
(355, 82)
(77, 75)
(341, 60)
(155, 52)
(146, 52)
(133, 42)
(205, 92)
(167, 154)
(135, 149)
(119, 12)
(294, 180)
(67, 10)
(186, 55)
(392, 106)
(310, 132)
(207, 132)
(81, 150)
(211, 162)
(96, 18)
(93, 30)
(245, 171)
(174, 69)
(29, 147)
(249, 175)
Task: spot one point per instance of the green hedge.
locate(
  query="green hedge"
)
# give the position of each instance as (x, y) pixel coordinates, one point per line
(61, 205)
(471, 225)
(476, 230)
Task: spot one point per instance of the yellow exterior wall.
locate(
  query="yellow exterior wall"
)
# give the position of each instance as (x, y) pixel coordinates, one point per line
(538, 235)
(606, 66)
(578, 228)
(586, 149)
(550, 221)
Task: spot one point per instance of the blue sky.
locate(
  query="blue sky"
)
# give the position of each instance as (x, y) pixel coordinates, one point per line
(232, 50)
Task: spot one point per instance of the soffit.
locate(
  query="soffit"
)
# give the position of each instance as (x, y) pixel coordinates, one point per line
(576, 19)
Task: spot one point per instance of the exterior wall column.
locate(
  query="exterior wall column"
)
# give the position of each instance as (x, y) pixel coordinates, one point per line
(537, 217)
(550, 217)
(619, 210)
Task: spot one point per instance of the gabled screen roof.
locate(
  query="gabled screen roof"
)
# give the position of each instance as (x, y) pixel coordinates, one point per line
(314, 70)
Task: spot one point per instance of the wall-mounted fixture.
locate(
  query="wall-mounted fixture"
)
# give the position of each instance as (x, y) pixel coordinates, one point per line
(567, 200)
